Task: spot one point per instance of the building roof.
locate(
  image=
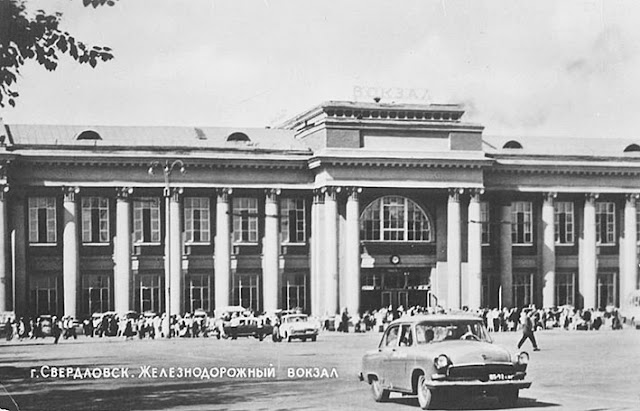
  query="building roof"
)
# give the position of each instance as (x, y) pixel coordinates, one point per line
(560, 146)
(65, 136)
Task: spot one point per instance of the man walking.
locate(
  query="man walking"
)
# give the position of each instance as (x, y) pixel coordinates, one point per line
(527, 331)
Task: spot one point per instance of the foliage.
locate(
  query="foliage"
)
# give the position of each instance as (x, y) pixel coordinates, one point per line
(26, 36)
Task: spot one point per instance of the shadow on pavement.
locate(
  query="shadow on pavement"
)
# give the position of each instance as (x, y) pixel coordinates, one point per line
(475, 403)
(136, 394)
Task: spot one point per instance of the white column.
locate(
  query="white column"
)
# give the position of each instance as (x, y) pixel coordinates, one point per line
(70, 266)
(548, 251)
(454, 248)
(317, 256)
(629, 269)
(506, 257)
(4, 277)
(270, 251)
(175, 248)
(330, 251)
(122, 267)
(350, 278)
(19, 241)
(222, 248)
(474, 250)
(588, 255)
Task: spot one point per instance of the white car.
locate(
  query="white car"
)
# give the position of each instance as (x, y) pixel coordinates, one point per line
(298, 326)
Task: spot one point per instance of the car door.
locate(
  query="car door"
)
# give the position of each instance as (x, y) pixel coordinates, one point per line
(399, 357)
(387, 348)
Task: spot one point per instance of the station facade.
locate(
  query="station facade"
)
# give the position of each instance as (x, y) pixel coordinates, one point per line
(348, 205)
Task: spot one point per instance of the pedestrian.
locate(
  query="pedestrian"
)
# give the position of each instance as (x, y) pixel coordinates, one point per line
(56, 330)
(527, 331)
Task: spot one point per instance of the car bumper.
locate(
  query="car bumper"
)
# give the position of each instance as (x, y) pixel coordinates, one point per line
(482, 385)
(303, 334)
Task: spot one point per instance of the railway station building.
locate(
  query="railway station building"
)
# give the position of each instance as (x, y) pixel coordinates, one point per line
(347, 205)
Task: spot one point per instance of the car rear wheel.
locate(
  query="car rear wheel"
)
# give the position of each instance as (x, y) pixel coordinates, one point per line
(424, 393)
(379, 393)
(508, 398)
(313, 338)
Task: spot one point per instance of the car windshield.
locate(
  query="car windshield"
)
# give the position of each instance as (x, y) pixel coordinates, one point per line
(295, 318)
(429, 332)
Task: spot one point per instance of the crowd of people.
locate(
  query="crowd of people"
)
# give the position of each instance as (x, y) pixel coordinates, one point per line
(496, 320)
(129, 326)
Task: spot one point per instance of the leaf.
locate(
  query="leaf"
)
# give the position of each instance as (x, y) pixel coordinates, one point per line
(12, 102)
(86, 2)
(93, 62)
(62, 44)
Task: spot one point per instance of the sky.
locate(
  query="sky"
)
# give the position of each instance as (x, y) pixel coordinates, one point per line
(539, 68)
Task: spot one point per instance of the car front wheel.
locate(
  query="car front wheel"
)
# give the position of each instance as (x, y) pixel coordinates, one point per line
(508, 398)
(379, 393)
(424, 393)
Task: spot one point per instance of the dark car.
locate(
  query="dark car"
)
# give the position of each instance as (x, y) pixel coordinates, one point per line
(247, 327)
(452, 355)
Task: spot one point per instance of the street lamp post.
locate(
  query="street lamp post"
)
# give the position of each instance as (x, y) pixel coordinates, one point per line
(167, 168)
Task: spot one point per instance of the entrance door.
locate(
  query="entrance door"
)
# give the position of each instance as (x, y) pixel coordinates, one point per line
(386, 299)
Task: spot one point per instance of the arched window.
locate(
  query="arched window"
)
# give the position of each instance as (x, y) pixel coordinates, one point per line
(632, 148)
(512, 144)
(238, 136)
(395, 218)
(88, 135)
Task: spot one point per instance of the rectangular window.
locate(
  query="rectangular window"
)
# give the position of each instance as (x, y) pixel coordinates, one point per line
(148, 293)
(245, 220)
(146, 220)
(484, 221)
(197, 220)
(564, 222)
(294, 292)
(198, 293)
(638, 222)
(246, 291)
(292, 221)
(521, 222)
(96, 294)
(522, 290)
(95, 220)
(565, 289)
(607, 290)
(42, 220)
(393, 223)
(44, 295)
(605, 223)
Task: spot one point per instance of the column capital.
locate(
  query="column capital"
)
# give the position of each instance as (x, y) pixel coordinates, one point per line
(332, 192)
(224, 194)
(318, 195)
(272, 194)
(549, 195)
(70, 193)
(632, 198)
(475, 193)
(174, 193)
(455, 193)
(123, 193)
(591, 197)
(353, 193)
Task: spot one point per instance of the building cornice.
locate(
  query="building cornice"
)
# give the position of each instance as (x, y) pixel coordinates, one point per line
(559, 167)
(401, 160)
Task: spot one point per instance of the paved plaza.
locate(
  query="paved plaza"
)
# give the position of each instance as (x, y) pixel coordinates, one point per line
(576, 370)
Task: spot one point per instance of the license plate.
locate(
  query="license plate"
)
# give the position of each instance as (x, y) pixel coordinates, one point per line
(500, 377)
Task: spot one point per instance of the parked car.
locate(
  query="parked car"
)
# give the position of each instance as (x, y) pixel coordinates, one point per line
(247, 327)
(434, 355)
(298, 326)
(222, 318)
